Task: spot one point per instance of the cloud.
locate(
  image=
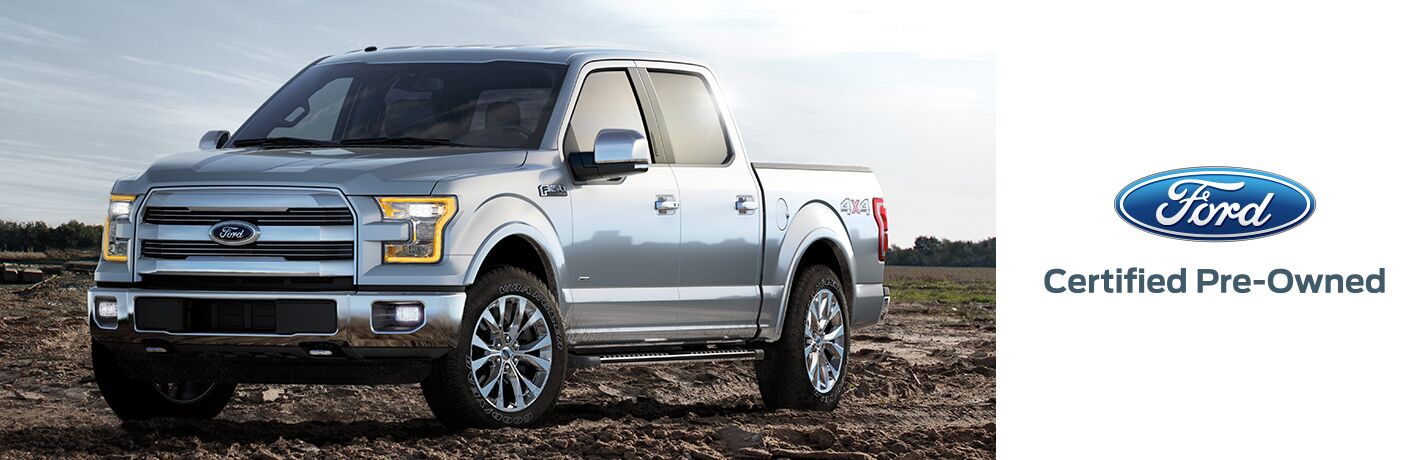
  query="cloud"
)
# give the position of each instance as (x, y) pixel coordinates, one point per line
(245, 49)
(905, 88)
(253, 82)
(19, 32)
(761, 30)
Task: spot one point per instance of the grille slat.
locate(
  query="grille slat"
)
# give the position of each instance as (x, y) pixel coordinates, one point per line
(171, 215)
(290, 250)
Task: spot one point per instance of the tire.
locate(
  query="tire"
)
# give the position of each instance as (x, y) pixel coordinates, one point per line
(132, 399)
(453, 389)
(784, 379)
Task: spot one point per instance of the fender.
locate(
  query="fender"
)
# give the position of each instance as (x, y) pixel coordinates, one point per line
(815, 222)
(503, 216)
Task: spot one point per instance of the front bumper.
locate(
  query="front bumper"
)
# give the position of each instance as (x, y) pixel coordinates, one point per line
(353, 353)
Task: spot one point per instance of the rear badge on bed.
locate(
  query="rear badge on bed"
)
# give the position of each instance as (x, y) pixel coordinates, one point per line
(1215, 204)
(852, 206)
(234, 233)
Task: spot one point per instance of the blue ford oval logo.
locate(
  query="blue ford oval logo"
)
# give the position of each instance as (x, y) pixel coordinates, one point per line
(1215, 204)
(234, 233)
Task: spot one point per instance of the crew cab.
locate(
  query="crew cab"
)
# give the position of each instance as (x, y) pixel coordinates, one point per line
(479, 220)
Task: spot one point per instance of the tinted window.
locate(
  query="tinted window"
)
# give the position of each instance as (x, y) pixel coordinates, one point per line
(606, 101)
(691, 118)
(492, 105)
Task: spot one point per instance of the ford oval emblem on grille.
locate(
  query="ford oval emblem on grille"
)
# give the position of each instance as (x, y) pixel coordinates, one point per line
(1215, 204)
(234, 233)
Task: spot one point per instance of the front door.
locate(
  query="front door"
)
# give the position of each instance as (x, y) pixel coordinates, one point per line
(623, 264)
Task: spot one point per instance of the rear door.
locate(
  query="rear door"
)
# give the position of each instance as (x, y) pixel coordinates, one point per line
(721, 222)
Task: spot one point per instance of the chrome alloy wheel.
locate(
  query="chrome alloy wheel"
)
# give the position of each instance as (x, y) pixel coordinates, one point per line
(511, 352)
(185, 392)
(824, 337)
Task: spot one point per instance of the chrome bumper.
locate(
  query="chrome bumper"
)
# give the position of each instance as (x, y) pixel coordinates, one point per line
(442, 315)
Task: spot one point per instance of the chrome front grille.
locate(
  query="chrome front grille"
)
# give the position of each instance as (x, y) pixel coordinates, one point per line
(289, 250)
(303, 232)
(178, 215)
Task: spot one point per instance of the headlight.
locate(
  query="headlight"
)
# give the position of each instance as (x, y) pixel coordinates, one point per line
(119, 211)
(427, 217)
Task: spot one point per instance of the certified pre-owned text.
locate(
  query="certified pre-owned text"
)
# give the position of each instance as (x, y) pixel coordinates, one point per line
(1135, 280)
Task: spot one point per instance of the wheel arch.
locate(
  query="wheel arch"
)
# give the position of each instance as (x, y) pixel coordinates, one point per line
(517, 233)
(516, 249)
(815, 235)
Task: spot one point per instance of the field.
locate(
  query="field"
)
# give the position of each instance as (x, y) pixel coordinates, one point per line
(921, 385)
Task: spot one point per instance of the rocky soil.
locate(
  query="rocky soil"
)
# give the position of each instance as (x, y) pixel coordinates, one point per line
(921, 386)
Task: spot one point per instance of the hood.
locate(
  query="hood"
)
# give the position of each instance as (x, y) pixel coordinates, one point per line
(354, 170)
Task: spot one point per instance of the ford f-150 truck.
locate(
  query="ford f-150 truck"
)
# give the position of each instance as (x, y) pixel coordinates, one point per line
(480, 220)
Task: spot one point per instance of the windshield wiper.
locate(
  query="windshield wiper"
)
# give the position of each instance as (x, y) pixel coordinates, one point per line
(281, 141)
(398, 141)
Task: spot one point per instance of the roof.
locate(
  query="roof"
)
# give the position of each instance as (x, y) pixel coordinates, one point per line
(486, 53)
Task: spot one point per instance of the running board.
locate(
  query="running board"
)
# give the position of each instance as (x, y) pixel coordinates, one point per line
(665, 357)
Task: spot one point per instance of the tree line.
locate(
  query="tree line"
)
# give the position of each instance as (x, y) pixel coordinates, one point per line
(935, 252)
(39, 236)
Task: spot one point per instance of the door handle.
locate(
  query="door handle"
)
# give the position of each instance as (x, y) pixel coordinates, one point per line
(746, 205)
(667, 204)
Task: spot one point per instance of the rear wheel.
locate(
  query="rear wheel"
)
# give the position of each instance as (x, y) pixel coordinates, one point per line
(509, 365)
(807, 367)
(132, 399)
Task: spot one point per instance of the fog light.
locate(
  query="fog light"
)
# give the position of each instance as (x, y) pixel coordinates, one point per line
(397, 316)
(107, 308)
(408, 314)
(105, 311)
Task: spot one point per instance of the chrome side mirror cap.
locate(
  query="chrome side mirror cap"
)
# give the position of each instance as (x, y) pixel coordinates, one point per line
(214, 139)
(616, 153)
(615, 146)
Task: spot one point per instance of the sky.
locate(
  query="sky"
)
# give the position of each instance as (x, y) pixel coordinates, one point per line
(93, 91)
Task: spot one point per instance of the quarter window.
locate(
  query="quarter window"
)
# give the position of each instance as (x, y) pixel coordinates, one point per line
(691, 118)
(606, 101)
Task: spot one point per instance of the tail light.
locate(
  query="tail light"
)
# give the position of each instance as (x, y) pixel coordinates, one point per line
(883, 228)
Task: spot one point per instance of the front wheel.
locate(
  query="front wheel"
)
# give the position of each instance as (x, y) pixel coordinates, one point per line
(806, 368)
(132, 399)
(508, 367)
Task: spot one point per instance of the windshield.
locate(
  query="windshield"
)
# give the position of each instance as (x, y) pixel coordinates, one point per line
(489, 105)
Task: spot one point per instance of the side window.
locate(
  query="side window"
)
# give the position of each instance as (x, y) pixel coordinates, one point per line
(606, 101)
(317, 118)
(691, 118)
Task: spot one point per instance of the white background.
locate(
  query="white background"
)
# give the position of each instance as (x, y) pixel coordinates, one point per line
(1093, 96)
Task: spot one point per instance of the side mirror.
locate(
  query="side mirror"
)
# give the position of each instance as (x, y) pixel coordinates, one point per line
(616, 153)
(214, 139)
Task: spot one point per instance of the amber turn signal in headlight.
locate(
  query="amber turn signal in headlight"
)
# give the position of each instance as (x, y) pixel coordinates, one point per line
(428, 217)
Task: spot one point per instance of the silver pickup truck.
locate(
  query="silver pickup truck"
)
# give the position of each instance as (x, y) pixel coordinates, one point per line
(480, 220)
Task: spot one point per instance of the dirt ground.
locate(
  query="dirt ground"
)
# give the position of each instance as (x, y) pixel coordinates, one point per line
(921, 385)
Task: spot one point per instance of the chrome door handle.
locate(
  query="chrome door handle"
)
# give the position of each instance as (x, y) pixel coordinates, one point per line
(667, 204)
(746, 205)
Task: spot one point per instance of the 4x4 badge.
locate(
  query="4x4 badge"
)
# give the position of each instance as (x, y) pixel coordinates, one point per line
(553, 190)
